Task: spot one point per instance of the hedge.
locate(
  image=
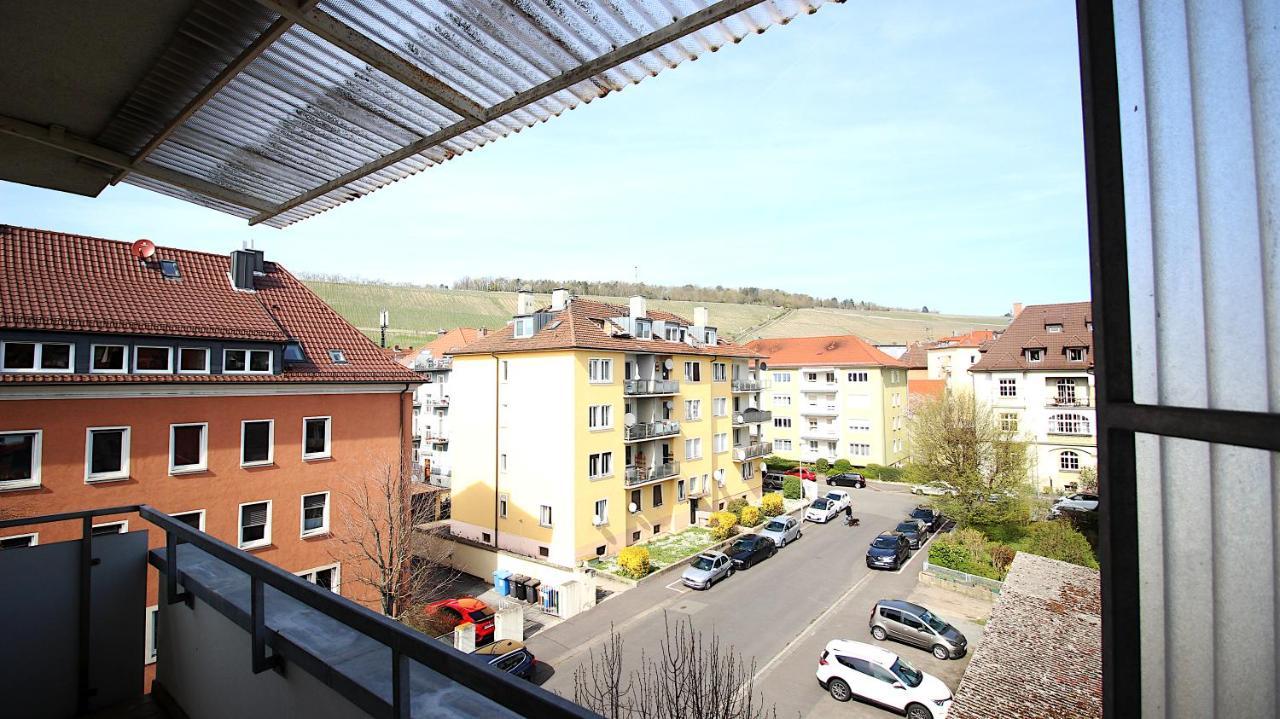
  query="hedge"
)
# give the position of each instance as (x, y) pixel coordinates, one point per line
(749, 517)
(634, 562)
(724, 524)
(792, 488)
(736, 506)
(771, 505)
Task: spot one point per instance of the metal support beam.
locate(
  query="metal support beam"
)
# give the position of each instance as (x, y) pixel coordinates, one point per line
(378, 56)
(58, 139)
(83, 681)
(689, 24)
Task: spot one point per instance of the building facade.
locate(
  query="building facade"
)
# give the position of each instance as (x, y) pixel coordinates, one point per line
(950, 358)
(585, 427)
(1038, 379)
(434, 363)
(834, 398)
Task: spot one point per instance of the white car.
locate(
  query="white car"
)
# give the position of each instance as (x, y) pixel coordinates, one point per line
(849, 669)
(840, 497)
(781, 530)
(822, 510)
(1079, 502)
(935, 489)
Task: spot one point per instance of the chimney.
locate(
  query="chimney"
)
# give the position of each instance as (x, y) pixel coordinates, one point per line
(524, 302)
(559, 299)
(700, 317)
(243, 263)
(1017, 309)
(638, 307)
(484, 331)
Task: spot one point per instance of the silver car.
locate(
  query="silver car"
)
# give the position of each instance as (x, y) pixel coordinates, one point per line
(782, 530)
(913, 624)
(706, 569)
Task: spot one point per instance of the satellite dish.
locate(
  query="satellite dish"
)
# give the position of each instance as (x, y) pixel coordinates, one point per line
(667, 404)
(629, 419)
(719, 475)
(668, 364)
(764, 365)
(633, 507)
(142, 249)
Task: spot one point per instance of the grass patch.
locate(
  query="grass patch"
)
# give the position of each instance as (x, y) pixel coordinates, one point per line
(664, 551)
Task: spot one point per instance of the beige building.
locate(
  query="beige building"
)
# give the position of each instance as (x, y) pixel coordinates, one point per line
(834, 398)
(584, 427)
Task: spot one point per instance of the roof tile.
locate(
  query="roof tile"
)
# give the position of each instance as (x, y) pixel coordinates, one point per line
(835, 350)
(1029, 331)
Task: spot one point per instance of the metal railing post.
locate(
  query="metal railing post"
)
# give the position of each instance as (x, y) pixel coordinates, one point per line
(258, 620)
(171, 576)
(400, 704)
(86, 599)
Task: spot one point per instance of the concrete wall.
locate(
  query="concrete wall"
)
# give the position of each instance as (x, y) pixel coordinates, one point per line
(483, 562)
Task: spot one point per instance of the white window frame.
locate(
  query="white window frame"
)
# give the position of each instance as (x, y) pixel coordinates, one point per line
(168, 351)
(1064, 456)
(124, 359)
(121, 525)
(1075, 354)
(603, 462)
(720, 406)
(719, 372)
(1007, 383)
(783, 445)
(37, 359)
(266, 532)
(680, 491)
(149, 647)
(271, 443)
(328, 438)
(207, 361)
(502, 462)
(506, 370)
(1008, 421)
(693, 409)
(600, 370)
(504, 503)
(203, 466)
(782, 423)
(248, 361)
(36, 447)
(302, 516)
(200, 512)
(89, 476)
(782, 400)
(696, 444)
(544, 516)
(860, 376)
(692, 367)
(1053, 328)
(309, 575)
(859, 449)
(600, 417)
(720, 442)
(600, 518)
(1035, 355)
(33, 537)
(781, 376)
(859, 425)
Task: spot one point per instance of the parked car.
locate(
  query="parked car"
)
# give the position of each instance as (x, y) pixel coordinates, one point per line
(847, 479)
(936, 489)
(822, 510)
(931, 517)
(914, 530)
(802, 473)
(849, 669)
(889, 550)
(706, 569)
(510, 656)
(782, 530)
(751, 549)
(1079, 502)
(449, 613)
(841, 499)
(914, 624)
(773, 481)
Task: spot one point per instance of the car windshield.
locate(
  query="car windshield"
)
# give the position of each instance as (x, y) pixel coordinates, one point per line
(820, 503)
(775, 526)
(834, 497)
(907, 673)
(935, 623)
(886, 542)
(922, 513)
(743, 545)
(907, 527)
(702, 563)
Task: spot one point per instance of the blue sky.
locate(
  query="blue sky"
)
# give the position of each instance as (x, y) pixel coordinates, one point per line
(914, 153)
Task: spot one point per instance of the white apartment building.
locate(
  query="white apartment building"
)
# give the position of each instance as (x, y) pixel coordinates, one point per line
(950, 358)
(431, 402)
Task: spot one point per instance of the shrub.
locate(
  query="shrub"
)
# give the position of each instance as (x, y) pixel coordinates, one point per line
(889, 474)
(749, 516)
(778, 464)
(634, 561)
(724, 524)
(1057, 540)
(771, 505)
(946, 553)
(1002, 557)
(822, 465)
(736, 506)
(871, 471)
(791, 488)
(841, 466)
(973, 541)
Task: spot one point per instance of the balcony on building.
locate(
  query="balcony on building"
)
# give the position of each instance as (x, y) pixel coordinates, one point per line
(436, 436)
(1067, 392)
(441, 401)
(746, 452)
(232, 636)
(430, 364)
(440, 476)
(751, 415)
(826, 433)
(820, 410)
(650, 387)
(822, 387)
(658, 472)
(750, 385)
(650, 430)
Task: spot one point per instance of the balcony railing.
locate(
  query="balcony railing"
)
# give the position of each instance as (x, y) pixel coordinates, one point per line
(650, 430)
(750, 385)
(751, 415)
(827, 433)
(640, 475)
(428, 364)
(650, 386)
(438, 436)
(824, 387)
(1068, 402)
(824, 410)
(744, 452)
(436, 401)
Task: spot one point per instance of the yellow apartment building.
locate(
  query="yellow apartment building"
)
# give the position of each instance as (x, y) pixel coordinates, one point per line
(585, 427)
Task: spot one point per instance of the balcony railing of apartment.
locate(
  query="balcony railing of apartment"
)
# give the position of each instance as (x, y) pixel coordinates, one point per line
(744, 452)
(751, 415)
(633, 387)
(824, 387)
(650, 430)
(232, 631)
(1068, 402)
(820, 410)
(750, 385)
(827, 433)
(437, 436)
(436, 401)
(427, 364)
(640, 475)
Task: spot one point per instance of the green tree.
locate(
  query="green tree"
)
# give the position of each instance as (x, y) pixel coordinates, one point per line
(1089, 480)
(1058, 540)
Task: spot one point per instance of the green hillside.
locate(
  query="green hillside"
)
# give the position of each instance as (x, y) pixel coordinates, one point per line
(418, 312)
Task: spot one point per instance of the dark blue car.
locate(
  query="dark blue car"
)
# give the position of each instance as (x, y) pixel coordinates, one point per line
(509, 656)
(888, 551)
(914, 531)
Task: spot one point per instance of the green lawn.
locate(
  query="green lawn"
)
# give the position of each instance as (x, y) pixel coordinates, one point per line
(665, 550)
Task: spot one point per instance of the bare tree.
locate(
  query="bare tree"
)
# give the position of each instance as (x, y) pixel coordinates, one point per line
(383, 545)
(690, 678)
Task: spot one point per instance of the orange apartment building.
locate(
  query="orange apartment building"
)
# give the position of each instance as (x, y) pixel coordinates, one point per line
(217, 389)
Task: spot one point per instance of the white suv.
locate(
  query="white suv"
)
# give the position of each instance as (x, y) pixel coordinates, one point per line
(850, 669)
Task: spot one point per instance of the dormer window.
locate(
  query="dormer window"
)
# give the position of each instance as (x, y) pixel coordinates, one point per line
(523, 327)
(1088, 326)
(1075, 354)
(246, 361)
(711, 335)
(337, 356)
(1053, 328)
(644, 329)
(293, 352)
(1035, 355)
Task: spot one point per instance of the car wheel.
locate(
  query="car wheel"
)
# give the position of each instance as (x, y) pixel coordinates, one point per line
(878, 633)
(783, 542)
(918, 711)
(941, 652)
(840, 690)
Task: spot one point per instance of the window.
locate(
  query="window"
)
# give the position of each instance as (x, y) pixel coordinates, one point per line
(523, 327)
(600, 371)
(782, 422)
(781, 376)
(858, 376)
(859, 425)
(193, 360)
(693, 371)
(693, 448)
(18, 541)
(153, 360)
(1053, 328)
(680, 490)
(600, 465)
(657, 497)
(317, 437)
(657, 528)
(506, 370)
(720, 443)
(1069, 461)
(108, 359)
(502, 461)
(782, 400)
(255, 525)
(326, 577)
(106, 453)
(20, 459)
(1068, 423)
(1075, 354)
(337, 356)
(193, 519)
(315, 514)
(810, 376)
(600, 416)
(153, 617)
(1066, 391)
(635, 501)
(188, 444)
(1035, 355)
(38, 356)
(602, 512)
(782, 445)
(897, 399)
(256, 440)
(1008, 422)
(1008, 387)
(859, 449)
(119, 527)
(293, 352)
(503, 501)
(486, 537)
(246, 361)
(544, 515)
(719, 372)
(693, 409)
(719, 406)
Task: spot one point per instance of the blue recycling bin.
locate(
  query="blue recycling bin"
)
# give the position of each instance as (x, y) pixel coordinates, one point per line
(502, 582)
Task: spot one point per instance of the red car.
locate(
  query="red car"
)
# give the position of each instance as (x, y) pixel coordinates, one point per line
(465, 609)
(802, 473)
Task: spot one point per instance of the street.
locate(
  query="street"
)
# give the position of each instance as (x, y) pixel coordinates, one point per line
(780, 613)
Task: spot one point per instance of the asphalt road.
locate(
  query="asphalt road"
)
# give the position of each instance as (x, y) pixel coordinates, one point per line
(772, 613)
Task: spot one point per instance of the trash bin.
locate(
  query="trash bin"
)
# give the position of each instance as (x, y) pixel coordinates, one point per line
(533, 585)
(517, 586)
(502, 582)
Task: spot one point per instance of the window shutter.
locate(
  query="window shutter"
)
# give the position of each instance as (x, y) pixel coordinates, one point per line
(254, 514)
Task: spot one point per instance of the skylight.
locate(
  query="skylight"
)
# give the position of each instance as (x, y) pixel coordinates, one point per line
(337, 356)
(169, 268)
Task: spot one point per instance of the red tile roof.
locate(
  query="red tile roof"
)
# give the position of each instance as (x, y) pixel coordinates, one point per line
(836, 350)
(1029, 331)
(582, 324)
(453, 339)
(52, 281)
(971, 339)
(926, 387)
(917, 355)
